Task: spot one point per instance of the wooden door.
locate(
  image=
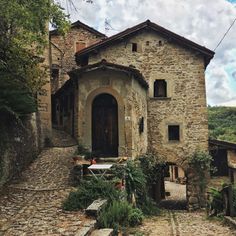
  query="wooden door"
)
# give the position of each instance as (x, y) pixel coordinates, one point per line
(105, 126)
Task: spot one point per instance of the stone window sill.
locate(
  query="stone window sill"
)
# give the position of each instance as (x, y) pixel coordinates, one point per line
(161, 98)
(173, 141)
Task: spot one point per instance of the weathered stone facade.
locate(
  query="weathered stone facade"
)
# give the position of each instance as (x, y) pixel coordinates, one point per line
(185, 104)
(160, 56)
(63, 50)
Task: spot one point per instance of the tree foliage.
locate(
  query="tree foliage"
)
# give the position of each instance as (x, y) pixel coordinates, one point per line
(222, 123)
(23, 39)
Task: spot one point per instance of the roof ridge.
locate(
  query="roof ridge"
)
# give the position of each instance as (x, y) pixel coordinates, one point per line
(83, 25)
(179, 39)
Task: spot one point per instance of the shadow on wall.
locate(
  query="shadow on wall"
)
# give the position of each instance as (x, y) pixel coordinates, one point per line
(19, 144)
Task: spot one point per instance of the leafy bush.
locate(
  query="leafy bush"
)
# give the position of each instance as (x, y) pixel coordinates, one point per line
(81, 150)
(89, 191)
(152, 166)
(120, 214)
(200, 160)
(115, 215)
(135, 217)
(136, 185)
(216, 201)
(147, 205)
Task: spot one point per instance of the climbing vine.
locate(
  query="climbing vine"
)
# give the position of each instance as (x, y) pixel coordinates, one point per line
(200, 161)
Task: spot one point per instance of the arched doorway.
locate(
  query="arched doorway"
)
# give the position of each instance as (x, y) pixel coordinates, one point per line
(105, 126)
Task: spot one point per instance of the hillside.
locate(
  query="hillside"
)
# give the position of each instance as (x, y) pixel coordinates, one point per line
(222, 123)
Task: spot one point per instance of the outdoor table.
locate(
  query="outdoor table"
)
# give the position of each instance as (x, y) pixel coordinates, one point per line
(101, 168)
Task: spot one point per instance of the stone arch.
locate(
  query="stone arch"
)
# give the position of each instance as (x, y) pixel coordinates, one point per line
(121, 117)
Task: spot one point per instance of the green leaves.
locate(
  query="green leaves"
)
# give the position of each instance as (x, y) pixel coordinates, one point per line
(23, 40)
(222, 123)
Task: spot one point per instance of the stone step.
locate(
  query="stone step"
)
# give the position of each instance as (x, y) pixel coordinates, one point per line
(102, 232)
(96, 207)
(87, 229)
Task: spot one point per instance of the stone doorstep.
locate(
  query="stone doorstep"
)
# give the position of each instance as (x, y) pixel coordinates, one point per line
(96, 207)
(102, 232)
(230, 221)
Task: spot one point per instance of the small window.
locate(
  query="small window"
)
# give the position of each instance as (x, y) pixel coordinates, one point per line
(79, 46)
(147, 43)
(173, 133)
(54, 73)
(160, 43)
(83, 60)
(141, 125)
(160, 88)
(134, 47)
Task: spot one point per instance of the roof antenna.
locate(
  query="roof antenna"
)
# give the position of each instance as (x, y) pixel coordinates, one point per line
(108, 26)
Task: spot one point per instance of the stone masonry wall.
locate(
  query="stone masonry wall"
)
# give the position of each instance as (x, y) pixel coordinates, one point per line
(185, 105)
(131, 99)
(19, 145)
(64, 49)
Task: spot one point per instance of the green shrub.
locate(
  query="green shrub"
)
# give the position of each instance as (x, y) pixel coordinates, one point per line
(216, 201)
(88, 191)
(120, 214)
(81, 150)
(135, 217)
(115, 215)
(147, 205)
(136, 183)
(135, 180)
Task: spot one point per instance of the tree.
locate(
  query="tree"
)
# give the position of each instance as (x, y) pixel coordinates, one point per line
(23, 38)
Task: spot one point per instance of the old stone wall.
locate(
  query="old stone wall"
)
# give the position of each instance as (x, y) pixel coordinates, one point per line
(19, 145)
(131, 99)
(185, 104)
(63, 50)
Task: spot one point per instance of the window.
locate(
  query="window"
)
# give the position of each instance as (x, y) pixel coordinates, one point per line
(173, 133)
(83, 60)
(141, 125)
(79, 46)
(160, 88)
(134, 47)
(55, 73)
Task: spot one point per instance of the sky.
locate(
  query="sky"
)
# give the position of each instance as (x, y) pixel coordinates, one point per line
(202, 21)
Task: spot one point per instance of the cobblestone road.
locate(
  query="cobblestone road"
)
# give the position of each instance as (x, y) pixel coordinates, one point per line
(33, 205)
(183, 223)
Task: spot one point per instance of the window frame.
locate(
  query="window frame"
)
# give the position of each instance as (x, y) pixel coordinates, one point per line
(155, 88)
(179, 133)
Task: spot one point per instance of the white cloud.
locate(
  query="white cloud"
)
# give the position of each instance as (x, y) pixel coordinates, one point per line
(204, 22)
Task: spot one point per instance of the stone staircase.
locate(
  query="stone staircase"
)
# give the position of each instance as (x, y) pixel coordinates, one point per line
(62, 139)
(92, 212)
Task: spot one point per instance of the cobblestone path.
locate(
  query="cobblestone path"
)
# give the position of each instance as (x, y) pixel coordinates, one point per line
(183, 223)
(32, 206)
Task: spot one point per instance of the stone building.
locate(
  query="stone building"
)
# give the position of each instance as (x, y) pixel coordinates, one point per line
(141, 90)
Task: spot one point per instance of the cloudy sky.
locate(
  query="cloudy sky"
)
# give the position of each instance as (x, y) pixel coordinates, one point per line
(203, 21)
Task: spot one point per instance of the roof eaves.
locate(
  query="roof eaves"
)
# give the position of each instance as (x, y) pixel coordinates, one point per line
(103, 64)
(225, 144)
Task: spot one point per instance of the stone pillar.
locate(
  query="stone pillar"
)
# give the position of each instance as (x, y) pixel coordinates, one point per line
(196, 189)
